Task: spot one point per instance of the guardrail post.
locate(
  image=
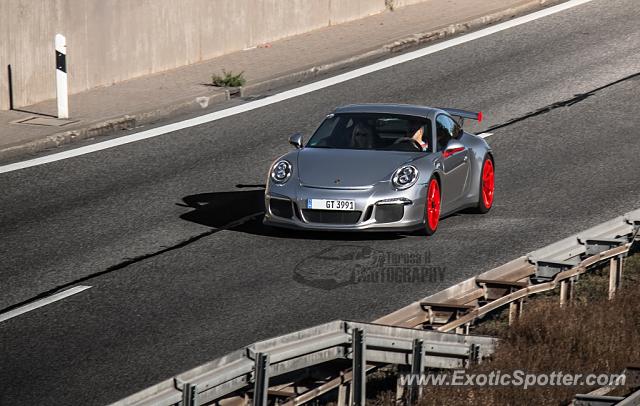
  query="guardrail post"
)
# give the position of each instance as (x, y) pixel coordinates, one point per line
(564, 288)
(261, 383)
(615, 275)
(474, 353)
(515, 310)
(342, 394)
(567, 291)
(189, 394)
(572, 289)
(400, 389)
(620, 264)
(359, 368)
(417, 366)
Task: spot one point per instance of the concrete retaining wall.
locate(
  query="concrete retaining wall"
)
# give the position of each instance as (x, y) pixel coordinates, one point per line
(113, 40)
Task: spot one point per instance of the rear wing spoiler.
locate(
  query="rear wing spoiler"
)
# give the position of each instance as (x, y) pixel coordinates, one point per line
(462, 114)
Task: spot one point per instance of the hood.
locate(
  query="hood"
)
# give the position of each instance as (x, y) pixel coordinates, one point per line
(321, 167)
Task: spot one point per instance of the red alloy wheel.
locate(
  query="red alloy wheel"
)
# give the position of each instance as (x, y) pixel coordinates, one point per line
(488, 186)
(433, 206)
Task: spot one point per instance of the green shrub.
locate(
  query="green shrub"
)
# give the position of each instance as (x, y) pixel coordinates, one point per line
(228, 79)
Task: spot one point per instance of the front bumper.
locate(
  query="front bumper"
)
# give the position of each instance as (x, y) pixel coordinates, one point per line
(374, 211)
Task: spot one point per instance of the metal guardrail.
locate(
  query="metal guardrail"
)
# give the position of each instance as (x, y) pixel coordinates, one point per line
(558, 264)
(601, 397)
(301, 366)
(275, 362)
(605, 400)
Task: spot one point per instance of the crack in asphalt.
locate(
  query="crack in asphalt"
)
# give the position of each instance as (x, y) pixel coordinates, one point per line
(134, 260)
(564, 103)
(130, 261)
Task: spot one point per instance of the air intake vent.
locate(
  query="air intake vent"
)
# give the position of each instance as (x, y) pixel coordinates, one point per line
(388, 213)
(331, 216)
(281, 208)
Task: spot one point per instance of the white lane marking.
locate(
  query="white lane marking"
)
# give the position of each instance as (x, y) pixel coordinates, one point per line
(289, 94)
(485, 135)
(42, 302)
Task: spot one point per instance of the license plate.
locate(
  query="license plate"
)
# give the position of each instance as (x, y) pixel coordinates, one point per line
(328, 204)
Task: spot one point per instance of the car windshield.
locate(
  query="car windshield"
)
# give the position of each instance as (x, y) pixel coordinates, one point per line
(373, 132)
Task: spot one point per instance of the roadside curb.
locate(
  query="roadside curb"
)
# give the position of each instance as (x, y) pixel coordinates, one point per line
(113, 125)
(397, 46)
(55, 140)
(130, 121)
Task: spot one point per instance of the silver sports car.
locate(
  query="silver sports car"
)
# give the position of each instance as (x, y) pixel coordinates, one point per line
(381, 167)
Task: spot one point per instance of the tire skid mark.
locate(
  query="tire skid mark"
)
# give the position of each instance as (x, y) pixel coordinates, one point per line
(564, 103)
(134, 260)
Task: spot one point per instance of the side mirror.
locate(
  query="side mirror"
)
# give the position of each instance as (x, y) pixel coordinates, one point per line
(296, 140)
(453, 147)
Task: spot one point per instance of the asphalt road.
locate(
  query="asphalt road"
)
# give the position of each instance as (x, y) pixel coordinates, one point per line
(181, 275)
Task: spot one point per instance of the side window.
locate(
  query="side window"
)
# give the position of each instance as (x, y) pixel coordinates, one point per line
(445, 130)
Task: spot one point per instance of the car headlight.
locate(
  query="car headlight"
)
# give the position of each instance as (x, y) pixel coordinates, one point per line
(405, 177)
(281, 171)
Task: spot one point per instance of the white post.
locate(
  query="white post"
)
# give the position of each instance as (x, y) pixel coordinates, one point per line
(61, 76)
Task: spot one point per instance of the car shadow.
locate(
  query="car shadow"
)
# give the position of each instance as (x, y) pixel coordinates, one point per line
(243, 210)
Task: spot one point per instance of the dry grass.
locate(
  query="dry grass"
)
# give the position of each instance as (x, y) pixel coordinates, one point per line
(594, 335)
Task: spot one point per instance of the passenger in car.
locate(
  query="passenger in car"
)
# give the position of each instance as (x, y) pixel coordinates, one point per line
(362, 137)
(418, 135)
